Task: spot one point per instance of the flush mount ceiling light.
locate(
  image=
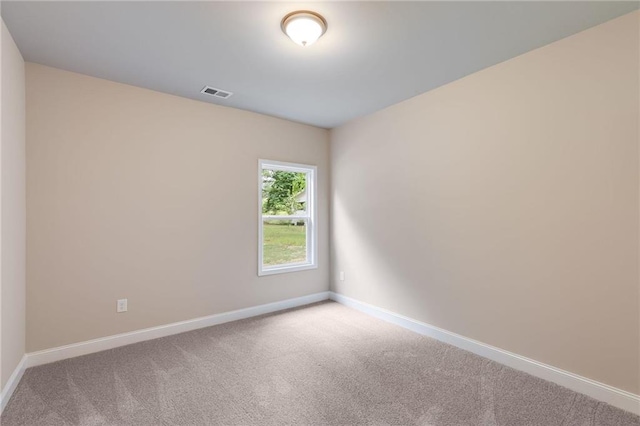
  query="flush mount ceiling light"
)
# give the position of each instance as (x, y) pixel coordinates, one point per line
(304, 27)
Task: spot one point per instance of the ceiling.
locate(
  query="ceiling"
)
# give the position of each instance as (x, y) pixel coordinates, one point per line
(373, 55)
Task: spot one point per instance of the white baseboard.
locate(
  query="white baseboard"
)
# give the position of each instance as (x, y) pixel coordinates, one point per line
(96, 345)
(12, 383)
(47, 356)
(616, 397)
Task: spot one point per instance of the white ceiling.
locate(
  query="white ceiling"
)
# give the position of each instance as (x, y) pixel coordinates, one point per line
(374, 54)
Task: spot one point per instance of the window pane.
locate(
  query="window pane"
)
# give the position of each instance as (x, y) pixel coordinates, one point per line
(285, 242)
(284, 193)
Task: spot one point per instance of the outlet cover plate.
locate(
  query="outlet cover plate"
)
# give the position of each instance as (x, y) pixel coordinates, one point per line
(121, 305)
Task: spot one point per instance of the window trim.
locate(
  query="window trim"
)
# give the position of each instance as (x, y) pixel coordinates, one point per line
(311, 218)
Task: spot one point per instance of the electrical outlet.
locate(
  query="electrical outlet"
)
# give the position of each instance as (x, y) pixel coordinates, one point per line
(121, 305)
(341, 275)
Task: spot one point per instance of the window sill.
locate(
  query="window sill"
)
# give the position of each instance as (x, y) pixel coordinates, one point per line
(286, 269)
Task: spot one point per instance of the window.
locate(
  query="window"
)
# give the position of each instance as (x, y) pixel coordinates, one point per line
(287, 231)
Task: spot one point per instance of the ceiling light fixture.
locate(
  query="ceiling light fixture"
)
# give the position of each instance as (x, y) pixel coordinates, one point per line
(304, 27)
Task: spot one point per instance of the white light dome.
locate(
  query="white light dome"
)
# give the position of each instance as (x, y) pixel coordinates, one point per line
(304, 27)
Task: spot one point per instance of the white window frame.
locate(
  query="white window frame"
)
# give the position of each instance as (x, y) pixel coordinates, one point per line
(310, 218)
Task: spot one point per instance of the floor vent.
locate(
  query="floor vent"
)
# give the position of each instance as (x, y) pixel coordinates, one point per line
(212, 91)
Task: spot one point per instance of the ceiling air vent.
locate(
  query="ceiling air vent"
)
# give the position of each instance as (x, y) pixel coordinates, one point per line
(212, 91)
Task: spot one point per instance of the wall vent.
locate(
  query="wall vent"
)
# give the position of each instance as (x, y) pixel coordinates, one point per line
(212, 91)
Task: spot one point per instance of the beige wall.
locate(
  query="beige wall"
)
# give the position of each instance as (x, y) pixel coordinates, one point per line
(504, 206)
(12, 200)
(141, 195)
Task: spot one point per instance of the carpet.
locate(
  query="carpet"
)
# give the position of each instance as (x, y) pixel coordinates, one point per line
(324, 364)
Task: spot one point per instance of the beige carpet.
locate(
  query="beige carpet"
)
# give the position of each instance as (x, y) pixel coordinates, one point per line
(320, 365)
